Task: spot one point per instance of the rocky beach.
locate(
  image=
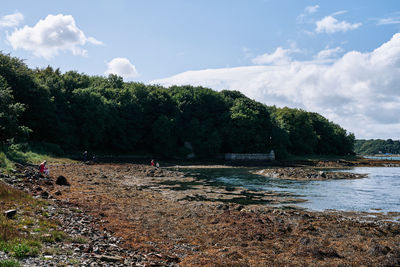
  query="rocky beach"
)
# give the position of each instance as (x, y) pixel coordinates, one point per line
(136, 215)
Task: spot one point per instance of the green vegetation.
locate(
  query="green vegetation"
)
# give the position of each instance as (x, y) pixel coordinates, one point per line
(9, 263)
(23, 235)
(377, 146)
(79, 240)
(72, 111)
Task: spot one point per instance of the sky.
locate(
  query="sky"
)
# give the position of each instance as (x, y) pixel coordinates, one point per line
(338, 58)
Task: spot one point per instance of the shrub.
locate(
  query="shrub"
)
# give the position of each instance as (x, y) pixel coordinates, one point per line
(21, 251)
(44, 148)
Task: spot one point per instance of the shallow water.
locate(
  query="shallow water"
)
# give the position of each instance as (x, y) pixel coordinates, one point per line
(383, 157)
(379, 192)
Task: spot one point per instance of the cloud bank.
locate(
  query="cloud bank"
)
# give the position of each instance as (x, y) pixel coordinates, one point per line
(360, 91)
(50, 36)
(121, 66)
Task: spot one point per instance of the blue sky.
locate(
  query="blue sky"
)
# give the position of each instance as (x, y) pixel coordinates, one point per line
(337, 58)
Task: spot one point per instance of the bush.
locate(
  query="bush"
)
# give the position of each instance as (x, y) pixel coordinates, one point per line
(47, 148)
(20, 153)
(16, 153)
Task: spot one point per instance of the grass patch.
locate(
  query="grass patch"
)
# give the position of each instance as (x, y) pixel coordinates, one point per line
(30, 154)
(56, 251)
(79, 240)
(5, 163)
(22, 235)
(54, 236)
(74, 262)
(9, 263)
(20, 248)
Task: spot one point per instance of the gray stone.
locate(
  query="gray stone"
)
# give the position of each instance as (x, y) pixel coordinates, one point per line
(10, 213)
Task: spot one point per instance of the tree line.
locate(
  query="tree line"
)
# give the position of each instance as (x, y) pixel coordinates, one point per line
(75, 111)
(377, 146)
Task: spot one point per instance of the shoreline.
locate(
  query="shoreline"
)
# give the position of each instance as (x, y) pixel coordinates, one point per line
(186, 226)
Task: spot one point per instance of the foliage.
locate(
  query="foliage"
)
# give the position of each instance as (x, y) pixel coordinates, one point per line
(310, 133)
(3, 160)
(9, 263)
(9, 114)
(377, 146)
(73, 111)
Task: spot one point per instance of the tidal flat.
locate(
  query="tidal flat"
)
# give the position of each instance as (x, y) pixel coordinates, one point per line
(190, 224)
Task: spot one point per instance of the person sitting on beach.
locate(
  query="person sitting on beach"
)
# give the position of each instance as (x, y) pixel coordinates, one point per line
(43, 169)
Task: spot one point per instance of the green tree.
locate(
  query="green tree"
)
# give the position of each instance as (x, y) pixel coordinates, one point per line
(163, 136)
(9, 115)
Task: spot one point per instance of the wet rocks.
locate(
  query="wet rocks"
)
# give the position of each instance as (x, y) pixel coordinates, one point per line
(307, 174)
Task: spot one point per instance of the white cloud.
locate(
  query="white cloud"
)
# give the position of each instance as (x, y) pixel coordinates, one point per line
(311, 9)
(360, 91)
(307, 11)
(387, 21)
(278, 57)
(50, 36)
(329, 24)
(11, 20)
(121, 66)
(328, 53)
(340, 12)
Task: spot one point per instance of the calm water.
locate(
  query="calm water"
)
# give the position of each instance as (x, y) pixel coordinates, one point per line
(380, 191)
(383, 157)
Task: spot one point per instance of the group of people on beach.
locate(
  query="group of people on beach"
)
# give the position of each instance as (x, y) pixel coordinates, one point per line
(85, 156)
(154, 164)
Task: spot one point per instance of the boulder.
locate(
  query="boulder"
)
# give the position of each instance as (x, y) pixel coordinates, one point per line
(10, 213)
(61, 180)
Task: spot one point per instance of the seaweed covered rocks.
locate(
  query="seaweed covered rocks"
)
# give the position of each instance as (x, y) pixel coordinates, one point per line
(305, 174)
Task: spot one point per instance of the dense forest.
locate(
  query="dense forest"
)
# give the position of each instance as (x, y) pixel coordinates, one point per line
(73, 112)
(376, 146)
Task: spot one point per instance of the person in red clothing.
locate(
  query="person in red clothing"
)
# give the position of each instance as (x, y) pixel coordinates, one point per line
(152, 162)
(43, 168)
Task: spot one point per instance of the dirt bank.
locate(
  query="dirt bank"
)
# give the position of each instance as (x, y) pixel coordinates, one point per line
(197, 226)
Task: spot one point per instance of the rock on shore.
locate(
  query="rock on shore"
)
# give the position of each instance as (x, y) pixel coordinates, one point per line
(308, 174)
